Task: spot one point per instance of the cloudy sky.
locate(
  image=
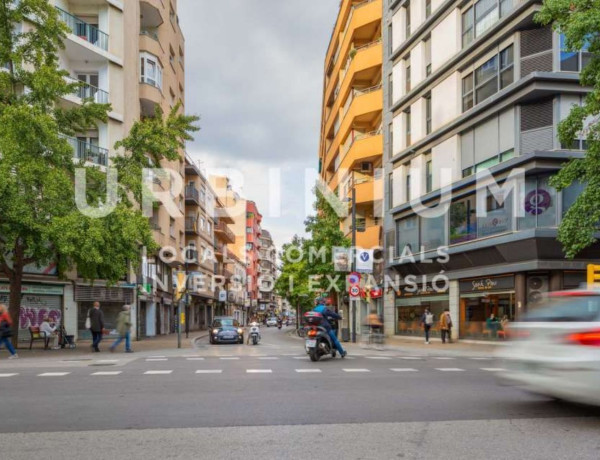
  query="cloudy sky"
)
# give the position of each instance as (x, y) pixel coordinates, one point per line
(254, 74)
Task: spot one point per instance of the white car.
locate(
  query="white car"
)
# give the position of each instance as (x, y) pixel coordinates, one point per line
(272, 321)
(555, 349)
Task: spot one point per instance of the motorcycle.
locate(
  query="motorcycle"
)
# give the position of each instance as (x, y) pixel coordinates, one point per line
(279, 324)
(317, 343)
(254, 333)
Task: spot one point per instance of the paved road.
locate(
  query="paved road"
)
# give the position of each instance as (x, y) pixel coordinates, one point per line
(270, 401)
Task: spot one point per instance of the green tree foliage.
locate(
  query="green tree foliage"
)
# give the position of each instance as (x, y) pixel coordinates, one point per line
(39, 219)
(579, 21)
(317, 260)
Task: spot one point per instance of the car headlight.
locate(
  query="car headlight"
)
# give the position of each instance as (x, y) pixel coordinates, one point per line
(215, 331)
(240, 331)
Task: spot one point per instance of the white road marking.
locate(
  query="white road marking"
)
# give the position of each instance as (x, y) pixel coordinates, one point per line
(356, 370)
(156, 359)
(8, 375)
(107, 373)
(410, 357)
(157, 356)
(449, 369)
(157, 372)
(53, 374)
(229, 357)
(306, 371)
(259, 371)
(268, 357)
(106, 361)
(403, 369)
(493, 369)
(209, 371)
(378, 357)
(195, 359)
(480, 359)
(443, 357)
(300, 357)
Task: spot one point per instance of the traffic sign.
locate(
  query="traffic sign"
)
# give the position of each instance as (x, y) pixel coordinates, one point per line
(354, 278)
(354, 290)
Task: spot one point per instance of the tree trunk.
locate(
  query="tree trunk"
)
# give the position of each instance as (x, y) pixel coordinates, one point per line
(15, 302)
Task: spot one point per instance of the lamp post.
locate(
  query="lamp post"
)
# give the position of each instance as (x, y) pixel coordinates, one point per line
(352, 300)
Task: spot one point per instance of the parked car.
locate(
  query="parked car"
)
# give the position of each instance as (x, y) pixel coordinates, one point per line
(225, 329)
(555, 349)
(272, 321)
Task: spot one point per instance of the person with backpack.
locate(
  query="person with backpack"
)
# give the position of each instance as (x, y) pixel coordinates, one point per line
(427, 322)
(446, 326)
(6, 331)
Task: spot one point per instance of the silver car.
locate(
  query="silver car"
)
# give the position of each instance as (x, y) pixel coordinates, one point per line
(555, 349)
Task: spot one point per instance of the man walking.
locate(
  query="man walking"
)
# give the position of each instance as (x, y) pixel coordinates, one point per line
(123, 329)
(446, 326)
(427, 322)
(96, 325)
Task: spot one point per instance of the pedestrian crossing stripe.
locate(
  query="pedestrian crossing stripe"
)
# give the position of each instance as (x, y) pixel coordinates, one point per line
(308, 371)
(209, 371)
(259, 371)
(493, 369)
(403, 369)
(157, 372)
(449, 369)
(156, 359)
(356, 370)
(8, 375)
(107, 373)
(53, 374)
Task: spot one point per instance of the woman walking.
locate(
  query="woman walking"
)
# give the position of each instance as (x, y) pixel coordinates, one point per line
(6, 331)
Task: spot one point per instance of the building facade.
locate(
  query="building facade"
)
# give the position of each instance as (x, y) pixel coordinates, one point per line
(472, 88)
(267, 272)
(253, 232)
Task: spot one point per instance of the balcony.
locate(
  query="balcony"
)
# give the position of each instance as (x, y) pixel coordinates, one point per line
(87, 91)
(151, 13)
(149, 42)
(223, 233)
(150, 98)
(192, 195)
(191, 226)
(83, 30)
(367, 238)
(89, 153)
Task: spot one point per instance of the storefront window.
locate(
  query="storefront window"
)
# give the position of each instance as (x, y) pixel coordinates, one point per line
(498, 219)
(433, 232)
(539, 204)
(407, 231)
(476, 314)
(570, 194)
(410, 310)
(463, 221)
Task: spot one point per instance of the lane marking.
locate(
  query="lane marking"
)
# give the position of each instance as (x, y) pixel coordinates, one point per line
(480, 359)
(449, 369)
(161, 356)
(268, 357)
(301, 357)
(106, 361)
(209, 371)
(403, 369)
(493, 369)
(157, 372)
(356, 370)
(8, 375)
(229, 357)
(443, 357)
(156, 359)
(107, 373)
(53, 374)
(306, 371)
(259, 371)
(411, 357)
(378, 357)
(194, 359)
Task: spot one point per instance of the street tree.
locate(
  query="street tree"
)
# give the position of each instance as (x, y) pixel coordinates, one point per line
(39, 218)
(579, 22)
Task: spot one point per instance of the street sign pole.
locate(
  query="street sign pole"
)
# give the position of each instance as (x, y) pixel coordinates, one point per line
(353, 300)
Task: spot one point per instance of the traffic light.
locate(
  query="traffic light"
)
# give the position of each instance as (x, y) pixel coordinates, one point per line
(593, 276)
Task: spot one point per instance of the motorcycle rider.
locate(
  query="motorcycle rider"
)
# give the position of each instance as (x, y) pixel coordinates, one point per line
(329, 315)
(255, 324)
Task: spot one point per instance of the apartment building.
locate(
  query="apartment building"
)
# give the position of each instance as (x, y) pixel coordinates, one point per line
(469, 87)
(224, 236)
(155, 77)
(253, 232)
(267, 272)
(351, 145)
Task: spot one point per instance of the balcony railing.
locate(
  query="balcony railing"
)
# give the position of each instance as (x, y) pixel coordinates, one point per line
(87, 91)
(153, 34)
(192, 193)
(84, 30)
(357, 93)
(223, 228)
(358, 137)
(88, 152)
(191, 224)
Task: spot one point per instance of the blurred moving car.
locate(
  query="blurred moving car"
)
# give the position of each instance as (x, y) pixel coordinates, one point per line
(555, 349)
(272, 321)
(225, 329)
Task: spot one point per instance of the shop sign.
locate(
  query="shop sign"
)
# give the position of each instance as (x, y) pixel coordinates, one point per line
(341, 259)
(222, 296)
(364, 261)
(35, 289)
(414, 291)
(487, 284)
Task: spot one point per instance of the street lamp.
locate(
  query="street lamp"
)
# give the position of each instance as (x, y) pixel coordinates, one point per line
(353, 262)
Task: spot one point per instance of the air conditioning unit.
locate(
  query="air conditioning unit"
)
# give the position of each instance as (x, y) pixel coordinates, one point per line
(537, 287)
(366, 166)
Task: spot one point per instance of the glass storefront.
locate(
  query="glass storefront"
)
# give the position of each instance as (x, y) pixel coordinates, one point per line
(410, 309)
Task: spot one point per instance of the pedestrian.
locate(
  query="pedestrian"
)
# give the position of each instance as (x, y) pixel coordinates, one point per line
(96, 325)
(50, 331)
(446, 326)
(123, 329)
(492, 324)
(427, 322)
(6, 331)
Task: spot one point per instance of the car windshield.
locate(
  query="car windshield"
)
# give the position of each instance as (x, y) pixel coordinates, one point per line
(567, 309)
(224, 322)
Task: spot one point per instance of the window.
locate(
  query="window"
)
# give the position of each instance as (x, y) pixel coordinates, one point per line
(427, 8)
(249, 215)
(407, 20)
(428, 176)
(407, 185)
(390, 190)
(249, 230)
(467, 91)
(427, 46)
(172, 227)
(391, 137)
(539, 204)
(463, 222)
(249, 246)
(151, 71)
(407, 74)
(573, 61)
(428, 114)
(407, 235)
(391, 89)
(468, 27)
(498, 219)
(407, 123)
(494, 74)
(433, 232)
(570, 195)
(477, 19)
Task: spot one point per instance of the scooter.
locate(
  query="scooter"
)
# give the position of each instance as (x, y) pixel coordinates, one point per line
(279, 323)
(254, 333)
(317, 343)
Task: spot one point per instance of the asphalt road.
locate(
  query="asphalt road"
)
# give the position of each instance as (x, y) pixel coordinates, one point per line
(270, 401)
